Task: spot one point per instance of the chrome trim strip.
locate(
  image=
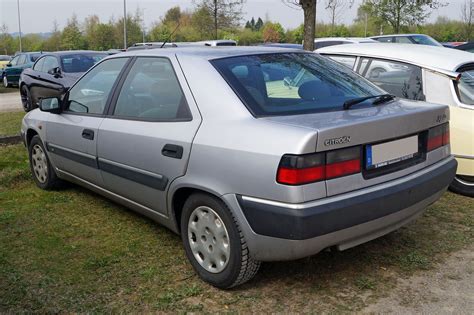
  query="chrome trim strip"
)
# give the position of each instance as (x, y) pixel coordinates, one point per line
(463, 156)
(327, 200)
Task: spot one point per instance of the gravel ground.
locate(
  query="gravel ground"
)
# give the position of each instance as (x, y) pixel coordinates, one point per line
(449, 289)
(10, 102)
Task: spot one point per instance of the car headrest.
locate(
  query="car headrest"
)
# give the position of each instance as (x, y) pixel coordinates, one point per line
(313, 90)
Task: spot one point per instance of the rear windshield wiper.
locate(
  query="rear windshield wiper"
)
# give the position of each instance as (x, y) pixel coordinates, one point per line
(379, 99)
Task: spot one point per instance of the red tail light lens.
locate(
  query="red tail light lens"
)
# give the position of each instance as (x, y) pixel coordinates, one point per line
(310, 168)
(437, 137)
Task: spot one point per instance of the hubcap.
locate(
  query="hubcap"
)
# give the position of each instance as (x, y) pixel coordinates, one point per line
(5, 81)
(40, 164)
(464, 181)
(208, 239)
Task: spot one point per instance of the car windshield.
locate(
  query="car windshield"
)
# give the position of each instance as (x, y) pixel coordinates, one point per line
(33, 57)
(80, 62)
(292, 83)
(425, 40)
(466, 87)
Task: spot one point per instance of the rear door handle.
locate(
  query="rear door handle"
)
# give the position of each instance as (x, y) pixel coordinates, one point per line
(88, 134)
(173, 151)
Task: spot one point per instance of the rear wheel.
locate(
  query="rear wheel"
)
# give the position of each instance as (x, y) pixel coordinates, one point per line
(43, 173)
(26, 98)
(214, 244)
(463, 185)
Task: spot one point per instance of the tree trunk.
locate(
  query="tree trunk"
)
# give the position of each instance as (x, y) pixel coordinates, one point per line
(215, 19)
(309, 11)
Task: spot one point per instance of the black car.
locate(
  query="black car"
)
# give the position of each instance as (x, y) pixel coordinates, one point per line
(53, 74)
(469, 46)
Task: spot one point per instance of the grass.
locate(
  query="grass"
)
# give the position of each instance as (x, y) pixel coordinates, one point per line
(10, 123)
(74, 251)
(8, 90)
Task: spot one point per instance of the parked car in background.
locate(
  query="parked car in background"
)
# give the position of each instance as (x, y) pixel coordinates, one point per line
(469, 47)
(13, 69)
(435, 74)
(277, 173)
(54, 73)
(4, 60)
(417, 39)
(331, 41)
(452, 44)
(153, 45)
(283, 45)
(150, 45)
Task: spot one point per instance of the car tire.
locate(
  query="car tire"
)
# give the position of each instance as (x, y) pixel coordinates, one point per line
(214, 243)
(26, 98)
(43, 173)
(463, 185)
(5, 81)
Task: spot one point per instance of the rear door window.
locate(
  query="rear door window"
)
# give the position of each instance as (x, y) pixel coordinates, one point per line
(151, 91)
(39, 65)
(400, 79)
(465, 86)
(384, 39)
(403, 40)
(21, 60)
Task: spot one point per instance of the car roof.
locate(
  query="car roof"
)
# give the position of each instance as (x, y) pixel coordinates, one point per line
(209, 52)
(432, 57)
(399, 35)
(353, 39)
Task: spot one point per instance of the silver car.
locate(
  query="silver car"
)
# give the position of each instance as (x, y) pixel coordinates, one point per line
(215, 145)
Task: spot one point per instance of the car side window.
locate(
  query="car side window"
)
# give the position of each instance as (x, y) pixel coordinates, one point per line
(151, 91)
(21, 60)
(91, 92)
(347, 61)
(14, 61)
(39, 65)
(50, 63)
(397, 78)
(384, 39)
(403, 40)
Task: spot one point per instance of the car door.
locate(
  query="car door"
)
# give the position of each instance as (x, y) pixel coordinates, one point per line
(49, 84)
(145, 141)
(15, 70)
(71, 137)
(31, 78)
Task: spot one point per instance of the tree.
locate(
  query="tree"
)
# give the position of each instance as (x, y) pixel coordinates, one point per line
(467, 16)
(402, 13)
(7, 44)
(71, 37)
(225, 14)
(309, 13)
(335, 9)
(259, 24)
(273, 33)
(172, 16)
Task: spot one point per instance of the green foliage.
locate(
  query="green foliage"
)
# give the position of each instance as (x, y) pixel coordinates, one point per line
(71, 37)
(273, 33)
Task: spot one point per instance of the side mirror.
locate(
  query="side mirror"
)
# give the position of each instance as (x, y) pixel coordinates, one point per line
(56, 72)
(9, 64)
(51, 105)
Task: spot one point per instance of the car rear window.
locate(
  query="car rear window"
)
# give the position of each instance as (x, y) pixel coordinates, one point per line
(80, 62)
(292, 83)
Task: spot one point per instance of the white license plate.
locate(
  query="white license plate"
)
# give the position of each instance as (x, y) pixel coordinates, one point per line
(384, 154)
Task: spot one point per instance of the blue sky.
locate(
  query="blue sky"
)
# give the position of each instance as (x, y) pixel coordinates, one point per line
(38, 15)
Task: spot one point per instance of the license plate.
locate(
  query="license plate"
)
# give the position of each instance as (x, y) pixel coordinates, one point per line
(387, 153)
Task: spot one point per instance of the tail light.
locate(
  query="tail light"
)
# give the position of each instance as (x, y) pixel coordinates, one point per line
(437, 137)
(310, 168)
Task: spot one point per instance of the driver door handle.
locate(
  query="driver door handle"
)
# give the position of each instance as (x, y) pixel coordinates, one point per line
(88, 134)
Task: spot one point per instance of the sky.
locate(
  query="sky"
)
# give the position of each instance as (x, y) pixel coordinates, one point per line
(38, 15)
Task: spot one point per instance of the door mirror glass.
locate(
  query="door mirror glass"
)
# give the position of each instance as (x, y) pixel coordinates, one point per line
(52, 105)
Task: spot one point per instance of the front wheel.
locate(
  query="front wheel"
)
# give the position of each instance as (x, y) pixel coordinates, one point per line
(5, 81)
(26, 98)
(214, 244)
(463, 185)
(43, 173)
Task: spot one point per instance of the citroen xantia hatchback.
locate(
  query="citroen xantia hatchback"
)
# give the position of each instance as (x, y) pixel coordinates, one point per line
(435, 74)
(216, 145)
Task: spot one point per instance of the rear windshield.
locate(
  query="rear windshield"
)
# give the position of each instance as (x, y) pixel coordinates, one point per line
(80, 62)
(292, 83)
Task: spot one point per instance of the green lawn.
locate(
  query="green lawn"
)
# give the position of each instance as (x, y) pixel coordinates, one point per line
(10, 123)
(73, 251)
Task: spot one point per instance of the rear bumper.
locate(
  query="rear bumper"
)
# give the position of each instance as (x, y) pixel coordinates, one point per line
(279, 231)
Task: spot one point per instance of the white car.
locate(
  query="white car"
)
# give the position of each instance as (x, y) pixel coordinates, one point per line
(332, 41)
(417, 39)
(433, 74)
